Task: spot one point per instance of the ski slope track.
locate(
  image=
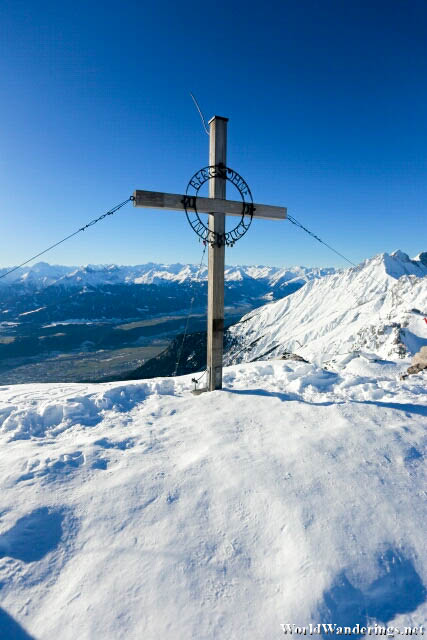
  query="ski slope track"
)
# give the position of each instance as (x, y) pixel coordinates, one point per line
(376, 309)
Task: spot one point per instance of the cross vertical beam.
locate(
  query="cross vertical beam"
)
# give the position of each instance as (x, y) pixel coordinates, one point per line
(216, 263)
(217, 207)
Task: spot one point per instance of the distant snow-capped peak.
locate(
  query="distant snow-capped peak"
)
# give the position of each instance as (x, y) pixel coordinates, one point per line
(378, 306)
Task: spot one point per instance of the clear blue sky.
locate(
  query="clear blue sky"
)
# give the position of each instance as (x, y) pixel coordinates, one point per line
(327, 107)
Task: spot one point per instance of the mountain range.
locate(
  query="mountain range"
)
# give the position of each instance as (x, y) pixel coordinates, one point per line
(378, 307)
(43, 274)
(328, 317)
(43, 292)
(375, 310)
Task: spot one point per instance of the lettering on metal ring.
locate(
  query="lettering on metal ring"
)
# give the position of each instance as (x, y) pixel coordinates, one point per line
(190, 205)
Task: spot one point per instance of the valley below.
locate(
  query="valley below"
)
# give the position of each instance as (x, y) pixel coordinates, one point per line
(85, 324)
(87, 351)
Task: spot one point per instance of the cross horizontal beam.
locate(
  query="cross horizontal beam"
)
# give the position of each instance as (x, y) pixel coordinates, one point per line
(174, 202)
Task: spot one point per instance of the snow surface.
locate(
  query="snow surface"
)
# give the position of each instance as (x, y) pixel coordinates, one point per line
(139, 511)
(378, 307)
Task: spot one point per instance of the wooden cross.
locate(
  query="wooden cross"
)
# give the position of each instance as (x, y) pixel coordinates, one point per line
(218, 207)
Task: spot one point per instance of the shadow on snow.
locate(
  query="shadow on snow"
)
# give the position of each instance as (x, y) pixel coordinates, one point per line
(10, 629)
(33, 536)
(397, 590)
(284, 397)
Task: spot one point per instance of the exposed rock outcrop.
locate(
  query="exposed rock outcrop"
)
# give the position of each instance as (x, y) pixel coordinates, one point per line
(419, 362)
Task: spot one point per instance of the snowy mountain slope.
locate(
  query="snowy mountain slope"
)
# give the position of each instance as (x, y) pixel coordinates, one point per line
(43, 274)
(294, 496)
(378, 307)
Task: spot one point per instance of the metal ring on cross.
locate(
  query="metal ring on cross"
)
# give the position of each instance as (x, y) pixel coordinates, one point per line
(190, 205)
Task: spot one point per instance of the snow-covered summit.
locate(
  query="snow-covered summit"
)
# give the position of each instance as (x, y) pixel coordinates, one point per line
(378, 306)
(39, 274)
(293, 496)
(421, 257)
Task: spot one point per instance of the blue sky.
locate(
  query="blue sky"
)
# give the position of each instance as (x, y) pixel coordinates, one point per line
(327, 108)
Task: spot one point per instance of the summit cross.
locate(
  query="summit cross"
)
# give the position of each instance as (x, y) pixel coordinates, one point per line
(218, 207)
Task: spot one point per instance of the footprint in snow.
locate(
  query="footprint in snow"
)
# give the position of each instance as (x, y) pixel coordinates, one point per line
(106, 443)
(172, 497)
(100, 463)
(413, 456)
(52, 467)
